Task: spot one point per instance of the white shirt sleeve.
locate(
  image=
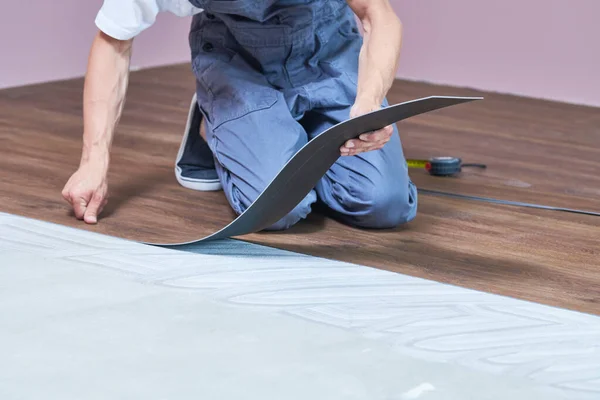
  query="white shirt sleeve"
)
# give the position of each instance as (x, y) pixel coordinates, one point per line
(125, 19)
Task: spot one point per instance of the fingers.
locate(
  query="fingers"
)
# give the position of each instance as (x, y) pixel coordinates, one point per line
(79, 205)
(86, 192)
(94, 209)
(355, 147)
(355, 151)
(79, 202)
(382, 135)
(367, 142)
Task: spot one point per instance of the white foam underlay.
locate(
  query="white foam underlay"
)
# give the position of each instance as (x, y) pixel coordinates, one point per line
(87, 316)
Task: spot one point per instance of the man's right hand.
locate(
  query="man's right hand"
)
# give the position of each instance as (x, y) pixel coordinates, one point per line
(103, 98)
(87, 192)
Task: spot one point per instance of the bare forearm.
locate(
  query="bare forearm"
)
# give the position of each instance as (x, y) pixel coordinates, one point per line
(377, 64)
(378, 59)
(103, 97)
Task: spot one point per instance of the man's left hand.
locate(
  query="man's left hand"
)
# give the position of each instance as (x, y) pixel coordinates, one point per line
(367, 141)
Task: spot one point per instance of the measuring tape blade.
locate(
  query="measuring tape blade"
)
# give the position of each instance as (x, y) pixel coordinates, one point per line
(417, 163)
(507, 202)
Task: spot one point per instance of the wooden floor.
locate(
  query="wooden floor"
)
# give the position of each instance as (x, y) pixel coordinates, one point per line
(536, 151)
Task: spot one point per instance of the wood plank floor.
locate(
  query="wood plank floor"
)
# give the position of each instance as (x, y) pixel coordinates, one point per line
(536, 151)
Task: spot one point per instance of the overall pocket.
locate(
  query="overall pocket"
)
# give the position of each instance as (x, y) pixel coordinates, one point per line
(231, 90)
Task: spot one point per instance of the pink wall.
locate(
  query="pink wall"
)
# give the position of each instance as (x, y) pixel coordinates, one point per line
(50, 40)
(538, 48)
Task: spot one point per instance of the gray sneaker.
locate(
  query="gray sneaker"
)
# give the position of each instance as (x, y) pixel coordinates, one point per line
(195, 164)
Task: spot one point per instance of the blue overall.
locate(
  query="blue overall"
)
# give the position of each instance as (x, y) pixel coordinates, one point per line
(273, 74)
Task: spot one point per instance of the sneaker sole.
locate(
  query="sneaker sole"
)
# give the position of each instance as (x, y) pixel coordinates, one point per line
(203, 185)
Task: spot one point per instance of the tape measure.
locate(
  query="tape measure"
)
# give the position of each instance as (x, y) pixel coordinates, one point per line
(442, 166)
(446, 166)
